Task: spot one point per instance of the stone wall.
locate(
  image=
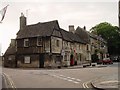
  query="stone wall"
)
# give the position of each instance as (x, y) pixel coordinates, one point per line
(9, 61)
(34, 61)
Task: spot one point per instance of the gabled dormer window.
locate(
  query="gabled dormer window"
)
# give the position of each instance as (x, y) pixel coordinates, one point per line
(26, 42)
(39, 41)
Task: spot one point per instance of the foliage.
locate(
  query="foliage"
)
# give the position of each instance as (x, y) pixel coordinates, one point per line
(94, 58)
(111, 34)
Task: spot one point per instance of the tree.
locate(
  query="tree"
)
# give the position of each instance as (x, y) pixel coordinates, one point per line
(95, 56)
(111, 34)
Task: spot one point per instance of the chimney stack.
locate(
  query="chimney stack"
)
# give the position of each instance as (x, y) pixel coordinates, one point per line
(84, 27)
(13, 42)
(71, 28)
(22, 21)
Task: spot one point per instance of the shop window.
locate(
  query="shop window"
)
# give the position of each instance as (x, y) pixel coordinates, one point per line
(27, 60)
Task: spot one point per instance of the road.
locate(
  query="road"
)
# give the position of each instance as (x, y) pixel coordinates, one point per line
(57, 78)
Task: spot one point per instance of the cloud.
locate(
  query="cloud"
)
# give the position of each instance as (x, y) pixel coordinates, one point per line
(59, 0)
(76, 13)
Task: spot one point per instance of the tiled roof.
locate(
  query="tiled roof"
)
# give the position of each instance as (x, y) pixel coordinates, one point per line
(69, 36)
(46, 29)
(92, 35)
(11, 50)
(83, 34)
(96, 37)
(66, 35)
(39, 29)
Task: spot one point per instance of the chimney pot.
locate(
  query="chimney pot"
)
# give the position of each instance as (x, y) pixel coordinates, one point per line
(71, 28)
(13, 42)
(84, 27)
(22, 21)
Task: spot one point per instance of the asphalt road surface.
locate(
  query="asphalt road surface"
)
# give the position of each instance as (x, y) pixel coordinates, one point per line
(57, 78)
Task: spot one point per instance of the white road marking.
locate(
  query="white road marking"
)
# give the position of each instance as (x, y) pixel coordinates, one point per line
(5, 81)
(70, 79)
(85, 84)
(63, 77)
(10, 81)
(78, 80)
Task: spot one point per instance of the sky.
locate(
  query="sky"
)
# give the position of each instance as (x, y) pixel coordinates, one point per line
(68, 12)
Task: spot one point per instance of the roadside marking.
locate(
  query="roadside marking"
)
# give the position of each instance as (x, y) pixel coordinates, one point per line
(63, 77)
(75, 82)
(10, 81)
(70, 79)
(78, 80)
(5, 81)
(85, 85)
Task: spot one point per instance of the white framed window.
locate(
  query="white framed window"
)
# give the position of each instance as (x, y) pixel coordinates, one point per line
(26, 42)
(57, 43)
(27, 60)
(39, 41)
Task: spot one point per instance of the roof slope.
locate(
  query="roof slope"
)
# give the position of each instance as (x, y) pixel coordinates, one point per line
(73, 37)
(39, 29)
(66, 35)
(46, 29)
(11, 50)
(83, 34)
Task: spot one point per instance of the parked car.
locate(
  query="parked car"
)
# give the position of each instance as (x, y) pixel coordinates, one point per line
(107, 61)
(115, 58)
(99, 62)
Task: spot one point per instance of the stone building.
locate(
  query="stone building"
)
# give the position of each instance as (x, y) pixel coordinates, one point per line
(98, 46)
(10, 55)
(45, 44)
(73, 45)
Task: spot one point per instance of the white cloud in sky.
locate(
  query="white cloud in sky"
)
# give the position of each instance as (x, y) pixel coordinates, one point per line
(66, 12)
(59, 0)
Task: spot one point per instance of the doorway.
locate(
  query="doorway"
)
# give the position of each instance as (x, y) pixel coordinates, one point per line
(41, 61)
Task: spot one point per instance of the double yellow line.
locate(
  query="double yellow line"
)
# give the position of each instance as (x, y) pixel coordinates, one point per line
(8, 81)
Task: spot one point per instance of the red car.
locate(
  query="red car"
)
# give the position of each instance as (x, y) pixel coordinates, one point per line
(107, 61)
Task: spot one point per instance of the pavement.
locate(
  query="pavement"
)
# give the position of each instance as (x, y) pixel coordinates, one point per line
(107, 83)
(102, 83)
(86, 66)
